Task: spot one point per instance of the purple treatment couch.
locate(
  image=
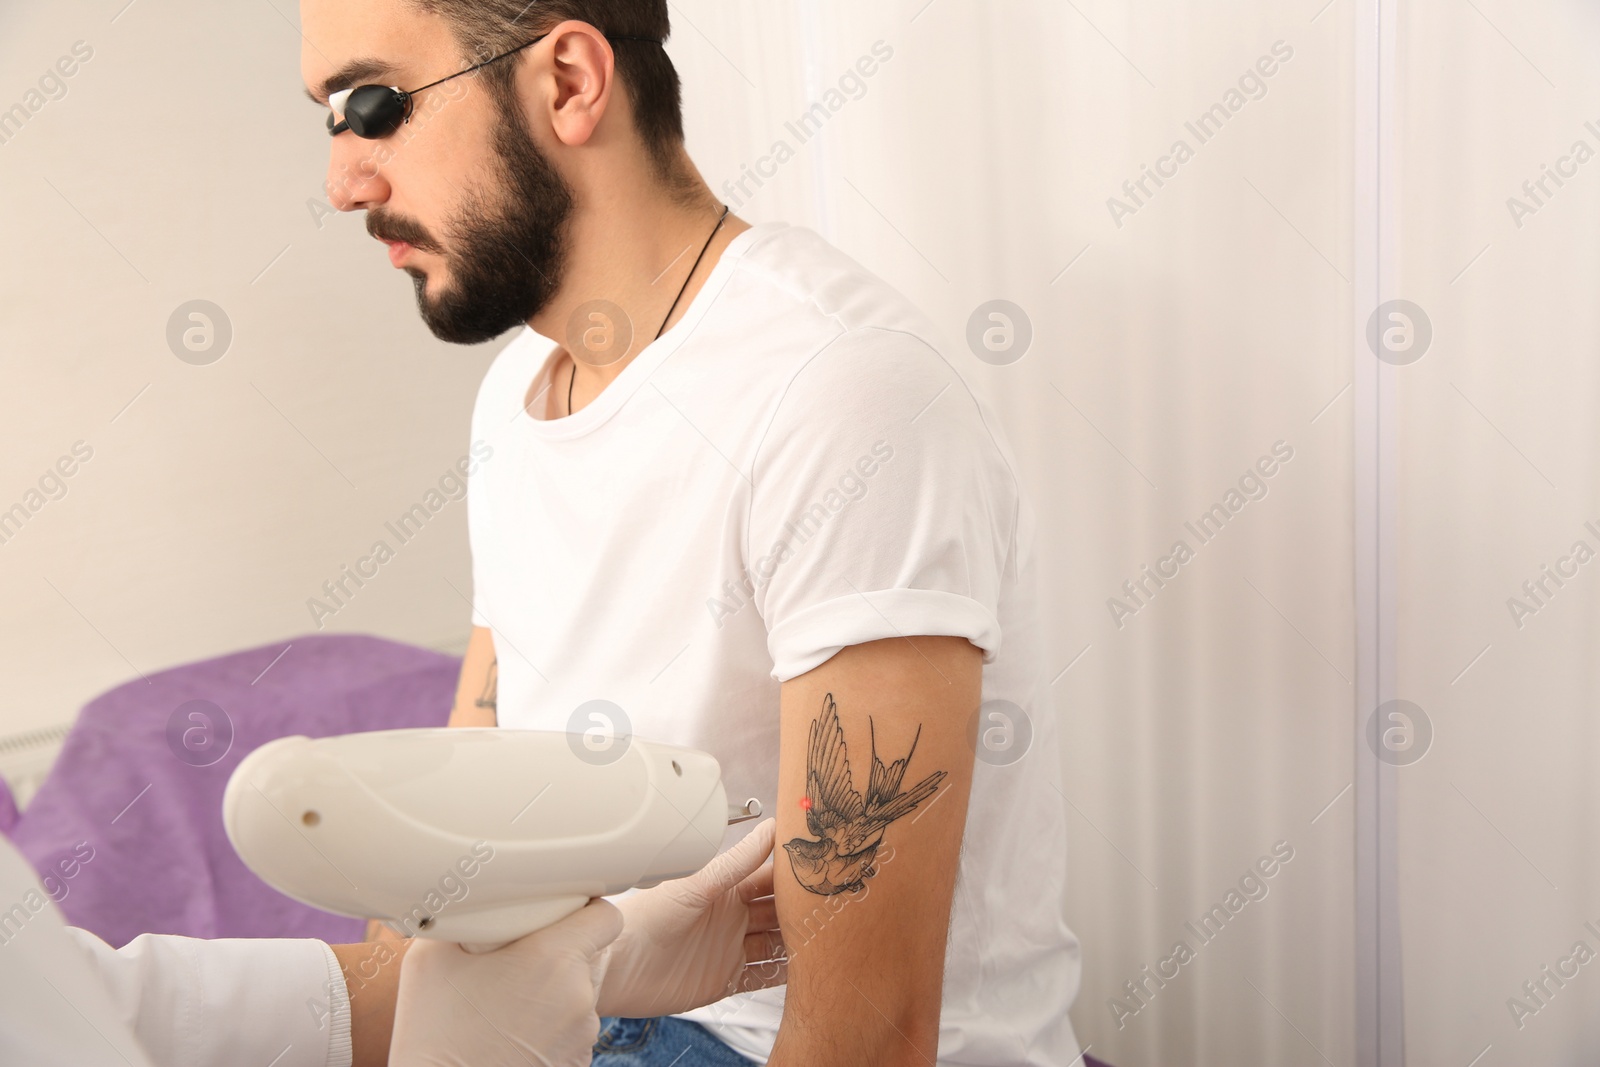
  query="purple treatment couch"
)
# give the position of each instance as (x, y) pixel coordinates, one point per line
(140, 777)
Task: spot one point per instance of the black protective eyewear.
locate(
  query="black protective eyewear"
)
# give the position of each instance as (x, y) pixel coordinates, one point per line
(375, 111)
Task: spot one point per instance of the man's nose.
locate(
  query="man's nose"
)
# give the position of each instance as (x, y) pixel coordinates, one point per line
(355, 179)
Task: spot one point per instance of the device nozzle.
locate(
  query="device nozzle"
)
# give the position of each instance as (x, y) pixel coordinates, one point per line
(750, 809)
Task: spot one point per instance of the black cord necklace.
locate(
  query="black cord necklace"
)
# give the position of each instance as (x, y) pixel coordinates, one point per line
(681, 289)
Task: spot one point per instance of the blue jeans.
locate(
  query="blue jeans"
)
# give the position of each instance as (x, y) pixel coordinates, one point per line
(662, 1042)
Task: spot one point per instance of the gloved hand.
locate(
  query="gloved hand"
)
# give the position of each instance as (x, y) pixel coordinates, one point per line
(530, 1002)
(692, 941)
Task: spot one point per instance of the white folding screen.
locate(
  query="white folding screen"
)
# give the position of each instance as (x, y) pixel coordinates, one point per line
(1498, 131)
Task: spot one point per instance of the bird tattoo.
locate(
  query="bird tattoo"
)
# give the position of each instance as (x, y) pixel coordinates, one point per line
(849, 827)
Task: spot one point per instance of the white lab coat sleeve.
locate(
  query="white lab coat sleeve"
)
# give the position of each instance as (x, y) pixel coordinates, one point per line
(197, 1003)
(54, 1010)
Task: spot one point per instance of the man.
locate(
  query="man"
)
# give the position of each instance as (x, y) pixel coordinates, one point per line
(734, 496)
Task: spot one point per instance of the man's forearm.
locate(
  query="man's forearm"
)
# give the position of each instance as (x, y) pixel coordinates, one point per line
(829, 1018)
(859, 1034)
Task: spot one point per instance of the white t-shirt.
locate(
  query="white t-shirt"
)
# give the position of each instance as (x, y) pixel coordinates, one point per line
(793, 468)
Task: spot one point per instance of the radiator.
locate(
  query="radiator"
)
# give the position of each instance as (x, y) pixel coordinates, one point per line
(26, 758)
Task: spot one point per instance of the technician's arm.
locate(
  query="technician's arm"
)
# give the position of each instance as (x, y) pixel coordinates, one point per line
(371, 973)
(867, 942)
(232, 1001)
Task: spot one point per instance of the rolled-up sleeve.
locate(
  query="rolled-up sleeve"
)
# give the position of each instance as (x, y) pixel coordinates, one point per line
(196, 1003)
(881, 505)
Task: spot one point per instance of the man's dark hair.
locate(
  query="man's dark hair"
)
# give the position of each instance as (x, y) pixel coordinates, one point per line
(487, 28)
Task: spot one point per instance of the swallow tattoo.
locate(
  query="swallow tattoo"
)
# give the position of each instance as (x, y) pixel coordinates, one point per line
(848, 826)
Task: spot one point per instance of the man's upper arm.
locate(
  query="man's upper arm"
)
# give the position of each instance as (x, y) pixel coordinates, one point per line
(477, 690)
(875, 771)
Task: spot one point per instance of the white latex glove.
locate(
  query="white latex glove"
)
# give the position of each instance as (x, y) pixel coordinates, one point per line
(692, 941)
(531, 1002)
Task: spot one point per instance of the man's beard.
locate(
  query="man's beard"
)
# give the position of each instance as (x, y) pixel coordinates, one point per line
(508, 261)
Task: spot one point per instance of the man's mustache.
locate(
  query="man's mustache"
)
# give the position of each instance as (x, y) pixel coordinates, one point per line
(385, 228)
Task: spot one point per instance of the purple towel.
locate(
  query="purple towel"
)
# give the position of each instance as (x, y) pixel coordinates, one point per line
(127, 830)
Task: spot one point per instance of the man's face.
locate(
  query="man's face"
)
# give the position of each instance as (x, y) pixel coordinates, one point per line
(468, 204)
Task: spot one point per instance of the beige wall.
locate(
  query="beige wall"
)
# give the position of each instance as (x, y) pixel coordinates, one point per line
(1170, 353)
(178, 166)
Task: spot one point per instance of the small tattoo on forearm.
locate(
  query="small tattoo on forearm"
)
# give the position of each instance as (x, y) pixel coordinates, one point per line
(491, 687)
(849, 826)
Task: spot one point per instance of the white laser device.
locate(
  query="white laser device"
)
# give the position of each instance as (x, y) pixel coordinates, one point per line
(475, 835)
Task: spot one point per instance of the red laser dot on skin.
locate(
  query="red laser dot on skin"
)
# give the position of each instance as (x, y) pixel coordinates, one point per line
(805, 803)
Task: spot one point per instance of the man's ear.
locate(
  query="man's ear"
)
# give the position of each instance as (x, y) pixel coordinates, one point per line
(583, 69)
